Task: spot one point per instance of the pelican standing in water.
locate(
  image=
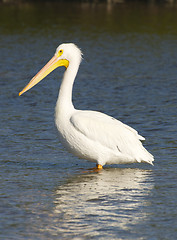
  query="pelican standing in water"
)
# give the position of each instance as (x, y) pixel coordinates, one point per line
(90, 135)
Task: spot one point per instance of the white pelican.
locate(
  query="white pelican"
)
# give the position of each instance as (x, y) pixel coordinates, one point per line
(90, 135)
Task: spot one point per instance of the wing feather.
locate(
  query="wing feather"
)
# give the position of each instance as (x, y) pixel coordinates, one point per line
(111, 133)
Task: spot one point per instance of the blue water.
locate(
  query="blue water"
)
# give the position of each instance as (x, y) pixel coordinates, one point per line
(129, 71)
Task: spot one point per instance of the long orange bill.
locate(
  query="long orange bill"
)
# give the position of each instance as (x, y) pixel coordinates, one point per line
(48, 68)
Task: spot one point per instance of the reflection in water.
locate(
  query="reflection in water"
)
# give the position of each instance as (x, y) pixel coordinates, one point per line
(108, 201)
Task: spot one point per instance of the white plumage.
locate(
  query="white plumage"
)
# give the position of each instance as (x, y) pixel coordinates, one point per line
(90, 135)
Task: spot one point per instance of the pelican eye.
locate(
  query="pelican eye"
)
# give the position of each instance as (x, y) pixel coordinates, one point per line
(60, 52)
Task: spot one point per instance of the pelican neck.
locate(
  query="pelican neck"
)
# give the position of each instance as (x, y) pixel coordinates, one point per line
(64, 102)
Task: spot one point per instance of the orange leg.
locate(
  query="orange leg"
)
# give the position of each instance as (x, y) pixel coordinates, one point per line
(99, 167)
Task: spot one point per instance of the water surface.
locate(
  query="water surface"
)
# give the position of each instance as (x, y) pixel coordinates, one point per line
(129, 71)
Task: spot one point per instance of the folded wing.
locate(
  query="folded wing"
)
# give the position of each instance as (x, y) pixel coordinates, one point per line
(111, 133)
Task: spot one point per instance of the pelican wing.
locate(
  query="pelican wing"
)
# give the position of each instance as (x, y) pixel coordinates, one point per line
(111, 133)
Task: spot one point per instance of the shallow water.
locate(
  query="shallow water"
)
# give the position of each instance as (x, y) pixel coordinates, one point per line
(129, 72)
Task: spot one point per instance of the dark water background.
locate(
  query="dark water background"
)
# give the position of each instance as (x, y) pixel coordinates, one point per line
(129, 71)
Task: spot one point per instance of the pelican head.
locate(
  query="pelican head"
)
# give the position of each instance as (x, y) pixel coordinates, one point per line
(66, 54)
(69, 51)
